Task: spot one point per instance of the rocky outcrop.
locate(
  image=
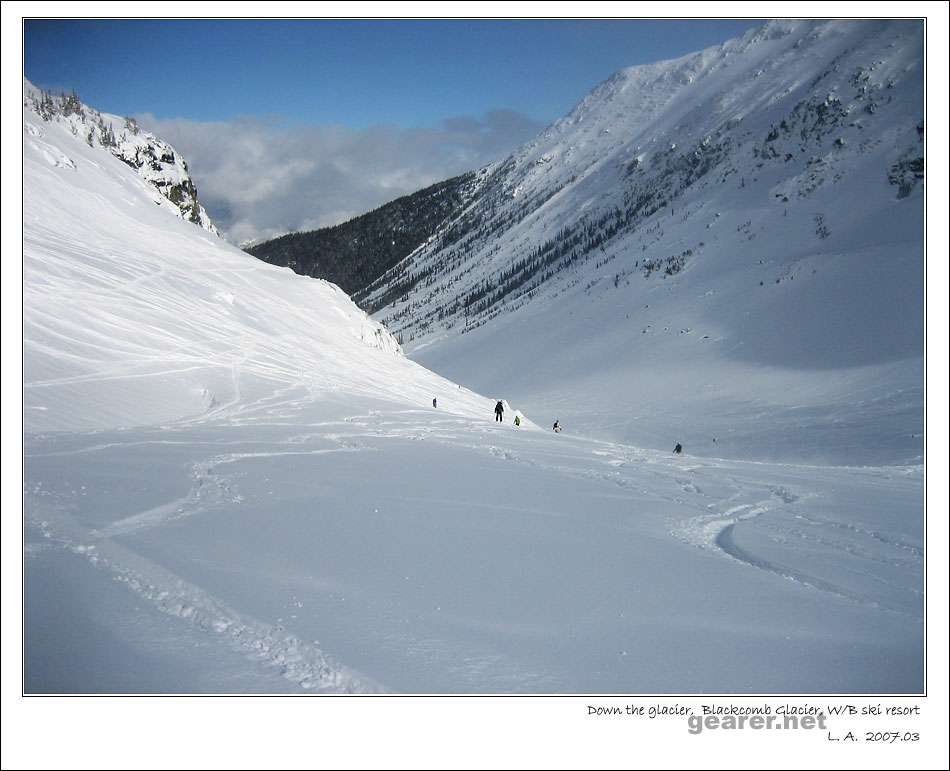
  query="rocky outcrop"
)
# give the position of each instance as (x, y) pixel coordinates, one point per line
(155, 161)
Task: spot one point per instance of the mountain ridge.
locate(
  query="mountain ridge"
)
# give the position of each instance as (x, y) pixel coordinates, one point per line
(155, 161)
(644, 138)
(355, 252)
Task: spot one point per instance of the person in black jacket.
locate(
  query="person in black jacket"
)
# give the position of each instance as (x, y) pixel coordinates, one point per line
(678, 450)
(499, 411)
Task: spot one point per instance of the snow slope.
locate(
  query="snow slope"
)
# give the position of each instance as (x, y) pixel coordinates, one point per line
(235, 482)
(725, 246)
(133, 317)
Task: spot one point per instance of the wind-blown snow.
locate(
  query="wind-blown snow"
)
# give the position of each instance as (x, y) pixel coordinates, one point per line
(235, 481)
(133, 318)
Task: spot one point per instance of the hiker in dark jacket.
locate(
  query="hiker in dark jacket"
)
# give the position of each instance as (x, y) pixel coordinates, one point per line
(678, 450)
(499, 411)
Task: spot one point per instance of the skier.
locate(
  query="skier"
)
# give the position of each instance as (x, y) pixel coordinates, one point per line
(517, 421)
(557, 426)
(434, 402)
(499, 411)
(678, 450)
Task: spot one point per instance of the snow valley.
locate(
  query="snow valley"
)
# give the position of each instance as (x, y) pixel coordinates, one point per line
(236, 481)
(725, 249)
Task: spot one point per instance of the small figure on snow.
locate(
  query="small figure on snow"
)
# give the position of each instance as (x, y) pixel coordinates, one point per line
(517, 421)
(557, 426)
(435, 403)
(678, 450)
(499, 411)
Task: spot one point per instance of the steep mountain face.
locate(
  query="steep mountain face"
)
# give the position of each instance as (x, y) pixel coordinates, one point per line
(695, 236)
(154, 161)
(354, 253)
(782, 120)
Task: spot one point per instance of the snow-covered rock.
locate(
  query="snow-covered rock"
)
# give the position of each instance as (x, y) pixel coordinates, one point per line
(155, 161)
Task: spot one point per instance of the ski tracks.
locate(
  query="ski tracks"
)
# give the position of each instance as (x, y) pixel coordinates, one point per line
(726, 501)
(722, 495)
(302, 663)
(717, 530)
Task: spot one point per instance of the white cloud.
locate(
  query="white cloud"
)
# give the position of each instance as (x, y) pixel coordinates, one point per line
(258, 178)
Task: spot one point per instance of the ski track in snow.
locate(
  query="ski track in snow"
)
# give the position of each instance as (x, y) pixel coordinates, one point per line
(302, 663)
(712, 527)
(717, 530)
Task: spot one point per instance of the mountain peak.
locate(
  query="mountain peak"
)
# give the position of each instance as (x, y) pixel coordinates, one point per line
(155, 161)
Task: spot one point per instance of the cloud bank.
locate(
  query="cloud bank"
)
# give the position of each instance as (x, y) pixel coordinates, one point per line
(259, 179)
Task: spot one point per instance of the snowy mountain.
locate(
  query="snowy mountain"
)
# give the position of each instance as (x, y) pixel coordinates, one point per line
(738, 231)
(796, 113)
(155, 161)
(234, 481)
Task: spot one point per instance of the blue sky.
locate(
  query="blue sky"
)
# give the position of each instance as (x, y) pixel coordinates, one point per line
(351, 72)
